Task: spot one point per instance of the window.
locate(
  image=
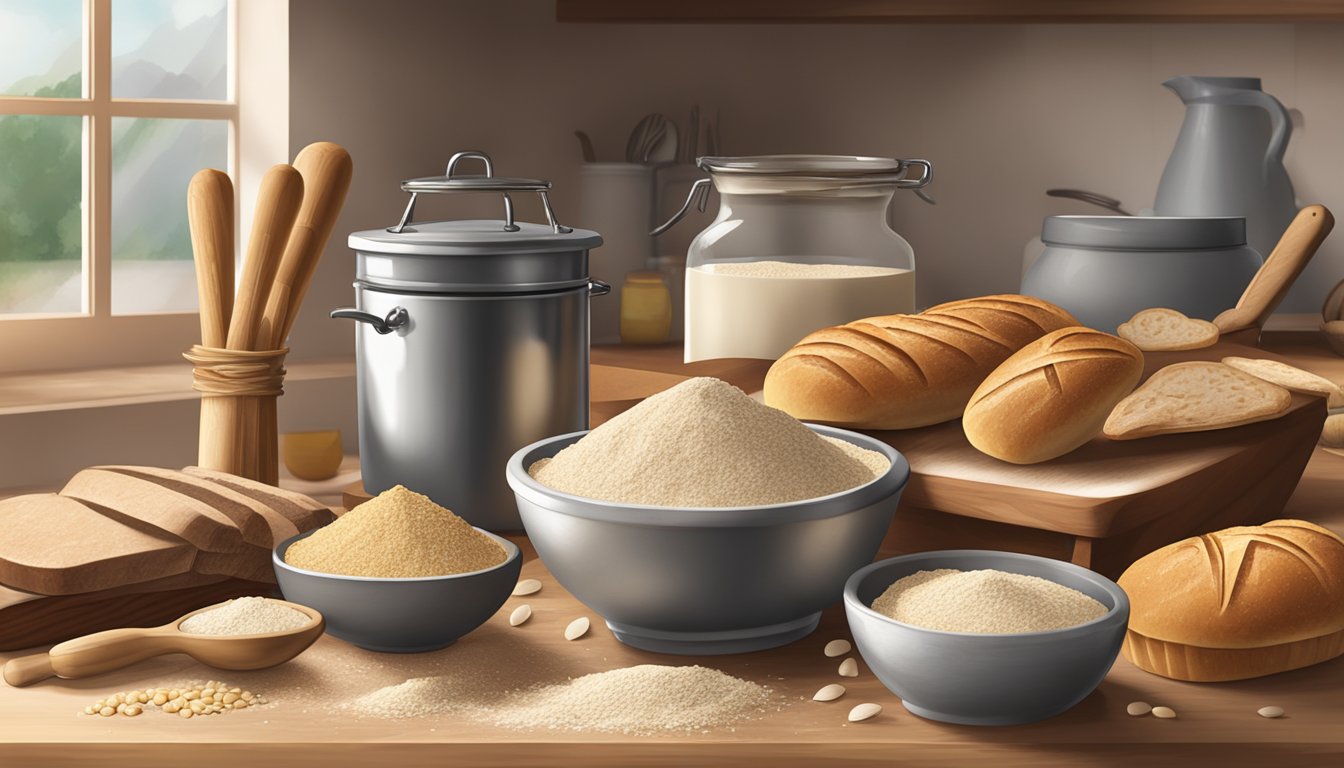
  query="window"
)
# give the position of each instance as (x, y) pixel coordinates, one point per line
(107, 107)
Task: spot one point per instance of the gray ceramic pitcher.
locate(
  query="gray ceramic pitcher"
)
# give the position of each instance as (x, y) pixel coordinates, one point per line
(1228, 159)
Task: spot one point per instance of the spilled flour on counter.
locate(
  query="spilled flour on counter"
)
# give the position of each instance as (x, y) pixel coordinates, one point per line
(640, 700)
(705, 443)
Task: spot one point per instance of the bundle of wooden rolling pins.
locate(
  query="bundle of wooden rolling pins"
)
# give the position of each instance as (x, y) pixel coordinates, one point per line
(240, 360)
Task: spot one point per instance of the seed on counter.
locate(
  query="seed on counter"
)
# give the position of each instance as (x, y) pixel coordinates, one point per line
(1139, 708)
(837, 648)
(1166, 713)
(520, 615)
(199, 699)
(526, 587)
(829, 692)
(1270, 712)
(864, 712)
(577, 628)
(849, 668)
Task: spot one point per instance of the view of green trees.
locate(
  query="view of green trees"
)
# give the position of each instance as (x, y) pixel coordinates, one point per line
(40, 182)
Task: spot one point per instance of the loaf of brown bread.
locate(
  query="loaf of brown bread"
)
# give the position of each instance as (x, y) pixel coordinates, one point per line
(905, 371)
(1237, 603)
(1051, 396)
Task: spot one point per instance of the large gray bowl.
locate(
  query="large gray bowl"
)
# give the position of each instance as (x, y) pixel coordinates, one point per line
(401, 615)
(986, 679)
(704, 581)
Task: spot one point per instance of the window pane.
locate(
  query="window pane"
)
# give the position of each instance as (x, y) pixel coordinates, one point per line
(170, 49)
(153, 161)
(41, 226)
(41, 48)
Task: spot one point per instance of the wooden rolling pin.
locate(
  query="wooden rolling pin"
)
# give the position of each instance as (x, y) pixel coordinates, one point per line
(116, 648)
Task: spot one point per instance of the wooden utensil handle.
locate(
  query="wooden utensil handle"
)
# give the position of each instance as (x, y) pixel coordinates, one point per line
(105, 651)
(26, 670)
(1269, 285)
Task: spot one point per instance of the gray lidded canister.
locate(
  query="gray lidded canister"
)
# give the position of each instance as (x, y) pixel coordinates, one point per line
(472, 342)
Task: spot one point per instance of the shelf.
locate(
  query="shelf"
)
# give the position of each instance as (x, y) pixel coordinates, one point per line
(950, 11)
(130, 385)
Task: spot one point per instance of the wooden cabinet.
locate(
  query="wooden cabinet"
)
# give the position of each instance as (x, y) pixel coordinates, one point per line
(949, 11)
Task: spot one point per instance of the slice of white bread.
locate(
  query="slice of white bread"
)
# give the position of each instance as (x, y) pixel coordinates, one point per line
(1195, 397)
(1290, 377)
(1164, 330)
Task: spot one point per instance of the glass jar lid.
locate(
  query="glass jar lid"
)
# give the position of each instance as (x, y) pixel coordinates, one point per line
(775, 174)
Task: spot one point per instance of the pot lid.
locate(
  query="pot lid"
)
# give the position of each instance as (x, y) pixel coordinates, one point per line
(1145, 233)
(471, 237)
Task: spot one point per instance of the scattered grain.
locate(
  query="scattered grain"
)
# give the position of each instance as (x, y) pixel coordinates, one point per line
(704, 443)
(849, 668)
(577, 628)
(520, 615)
(1166, 713)
(837, 648)
(829, 693)
(397, 534)
(526, 587)
(188, 701)
(864, 712)
(985, 601)
(1139, 708)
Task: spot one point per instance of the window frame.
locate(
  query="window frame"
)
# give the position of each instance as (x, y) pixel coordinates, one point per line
(97, 338)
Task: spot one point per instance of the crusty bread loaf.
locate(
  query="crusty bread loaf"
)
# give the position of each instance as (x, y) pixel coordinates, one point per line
(1051, 396)
(1290, 377)
(904, 371)
(1238, 603)
(1160, 329)
(1195, 397)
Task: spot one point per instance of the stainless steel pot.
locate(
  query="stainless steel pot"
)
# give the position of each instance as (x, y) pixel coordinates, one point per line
(472, 342)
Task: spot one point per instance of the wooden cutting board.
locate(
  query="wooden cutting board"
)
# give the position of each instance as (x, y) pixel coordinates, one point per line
(137, 500)
(28, 620)
(261, 525)
(304, 512)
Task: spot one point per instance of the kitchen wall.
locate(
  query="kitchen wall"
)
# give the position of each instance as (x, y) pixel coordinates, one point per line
(1003, 111)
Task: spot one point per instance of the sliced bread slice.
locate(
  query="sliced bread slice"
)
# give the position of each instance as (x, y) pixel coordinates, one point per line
(1195, 397)
(1164, 330)
(1290, 377)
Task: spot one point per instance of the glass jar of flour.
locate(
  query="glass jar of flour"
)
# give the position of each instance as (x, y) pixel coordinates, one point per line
(800, 242)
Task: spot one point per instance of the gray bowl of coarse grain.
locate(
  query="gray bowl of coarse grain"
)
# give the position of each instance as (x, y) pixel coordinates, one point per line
(401, 615)
(986, 679)
(707, 580)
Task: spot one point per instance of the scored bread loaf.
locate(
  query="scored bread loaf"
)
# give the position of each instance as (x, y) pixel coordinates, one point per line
(1051, 396)
(1195, 397)
(1238, 603)
(905, 371)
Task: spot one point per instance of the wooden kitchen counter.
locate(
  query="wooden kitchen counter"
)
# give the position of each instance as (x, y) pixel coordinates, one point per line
(314, 717)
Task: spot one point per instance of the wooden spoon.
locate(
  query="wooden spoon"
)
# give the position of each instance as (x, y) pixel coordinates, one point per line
(1271, 283)
(326, 170)
(277, 205)
(210, 214)
(116, 648)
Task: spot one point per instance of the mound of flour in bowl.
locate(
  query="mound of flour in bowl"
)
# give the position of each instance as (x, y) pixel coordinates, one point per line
(704, 443)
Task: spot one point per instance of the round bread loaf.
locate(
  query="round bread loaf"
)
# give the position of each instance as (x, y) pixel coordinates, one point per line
(905, 371)
(1051, 396)
(1237, 603)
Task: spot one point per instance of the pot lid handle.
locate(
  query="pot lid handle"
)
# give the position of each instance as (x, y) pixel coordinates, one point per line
(449, 183)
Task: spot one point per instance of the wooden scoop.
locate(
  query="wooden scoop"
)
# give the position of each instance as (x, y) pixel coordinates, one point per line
(1269, 285)
(116, 648)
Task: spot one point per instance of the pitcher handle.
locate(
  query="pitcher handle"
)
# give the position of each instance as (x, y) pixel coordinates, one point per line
(1280, 126)
(698, 196)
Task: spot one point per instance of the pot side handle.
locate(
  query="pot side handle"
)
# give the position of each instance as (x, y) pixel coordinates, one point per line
(396, 318)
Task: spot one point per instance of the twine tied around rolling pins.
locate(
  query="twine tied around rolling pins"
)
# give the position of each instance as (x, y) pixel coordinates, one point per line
(237, 372)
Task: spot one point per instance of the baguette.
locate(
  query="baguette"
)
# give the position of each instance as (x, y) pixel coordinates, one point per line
(1051, 396)
(906, 371)
(1238, 603)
